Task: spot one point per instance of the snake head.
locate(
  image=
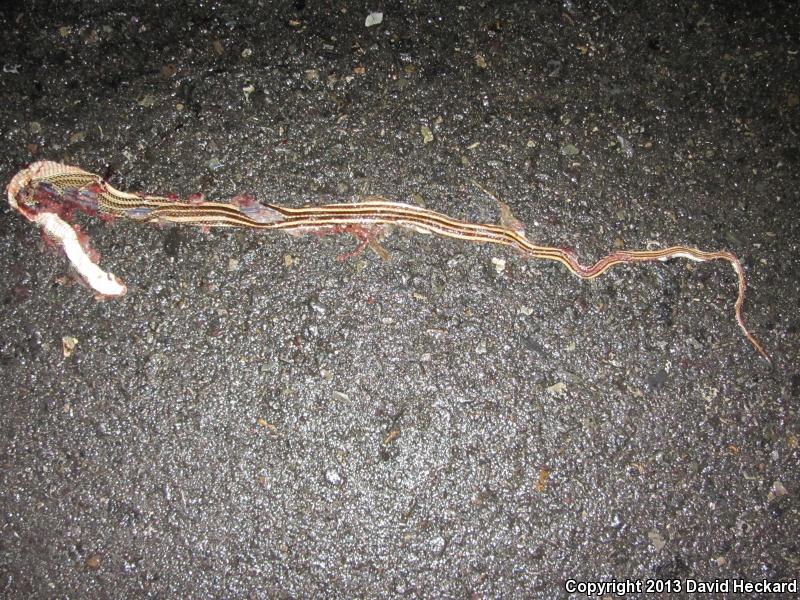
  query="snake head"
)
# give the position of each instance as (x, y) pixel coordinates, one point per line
(23, 187)
(20, 195)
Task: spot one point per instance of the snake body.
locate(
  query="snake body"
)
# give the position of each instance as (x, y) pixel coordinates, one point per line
(47, 193)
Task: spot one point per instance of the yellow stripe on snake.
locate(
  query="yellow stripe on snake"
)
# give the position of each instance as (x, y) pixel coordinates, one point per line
(47, 193)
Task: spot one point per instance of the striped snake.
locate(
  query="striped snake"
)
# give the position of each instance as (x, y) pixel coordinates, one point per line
(47, 193)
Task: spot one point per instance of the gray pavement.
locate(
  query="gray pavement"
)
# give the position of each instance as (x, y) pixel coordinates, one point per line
(257, 419)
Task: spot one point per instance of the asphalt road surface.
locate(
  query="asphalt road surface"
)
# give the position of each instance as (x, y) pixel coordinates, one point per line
(257, 419)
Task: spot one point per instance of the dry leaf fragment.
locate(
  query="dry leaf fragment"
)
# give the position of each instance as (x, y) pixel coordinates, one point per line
(262, 422)
(427, 134)
(507, 218)
(544, 475)
(68, 344)
(656, 539)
